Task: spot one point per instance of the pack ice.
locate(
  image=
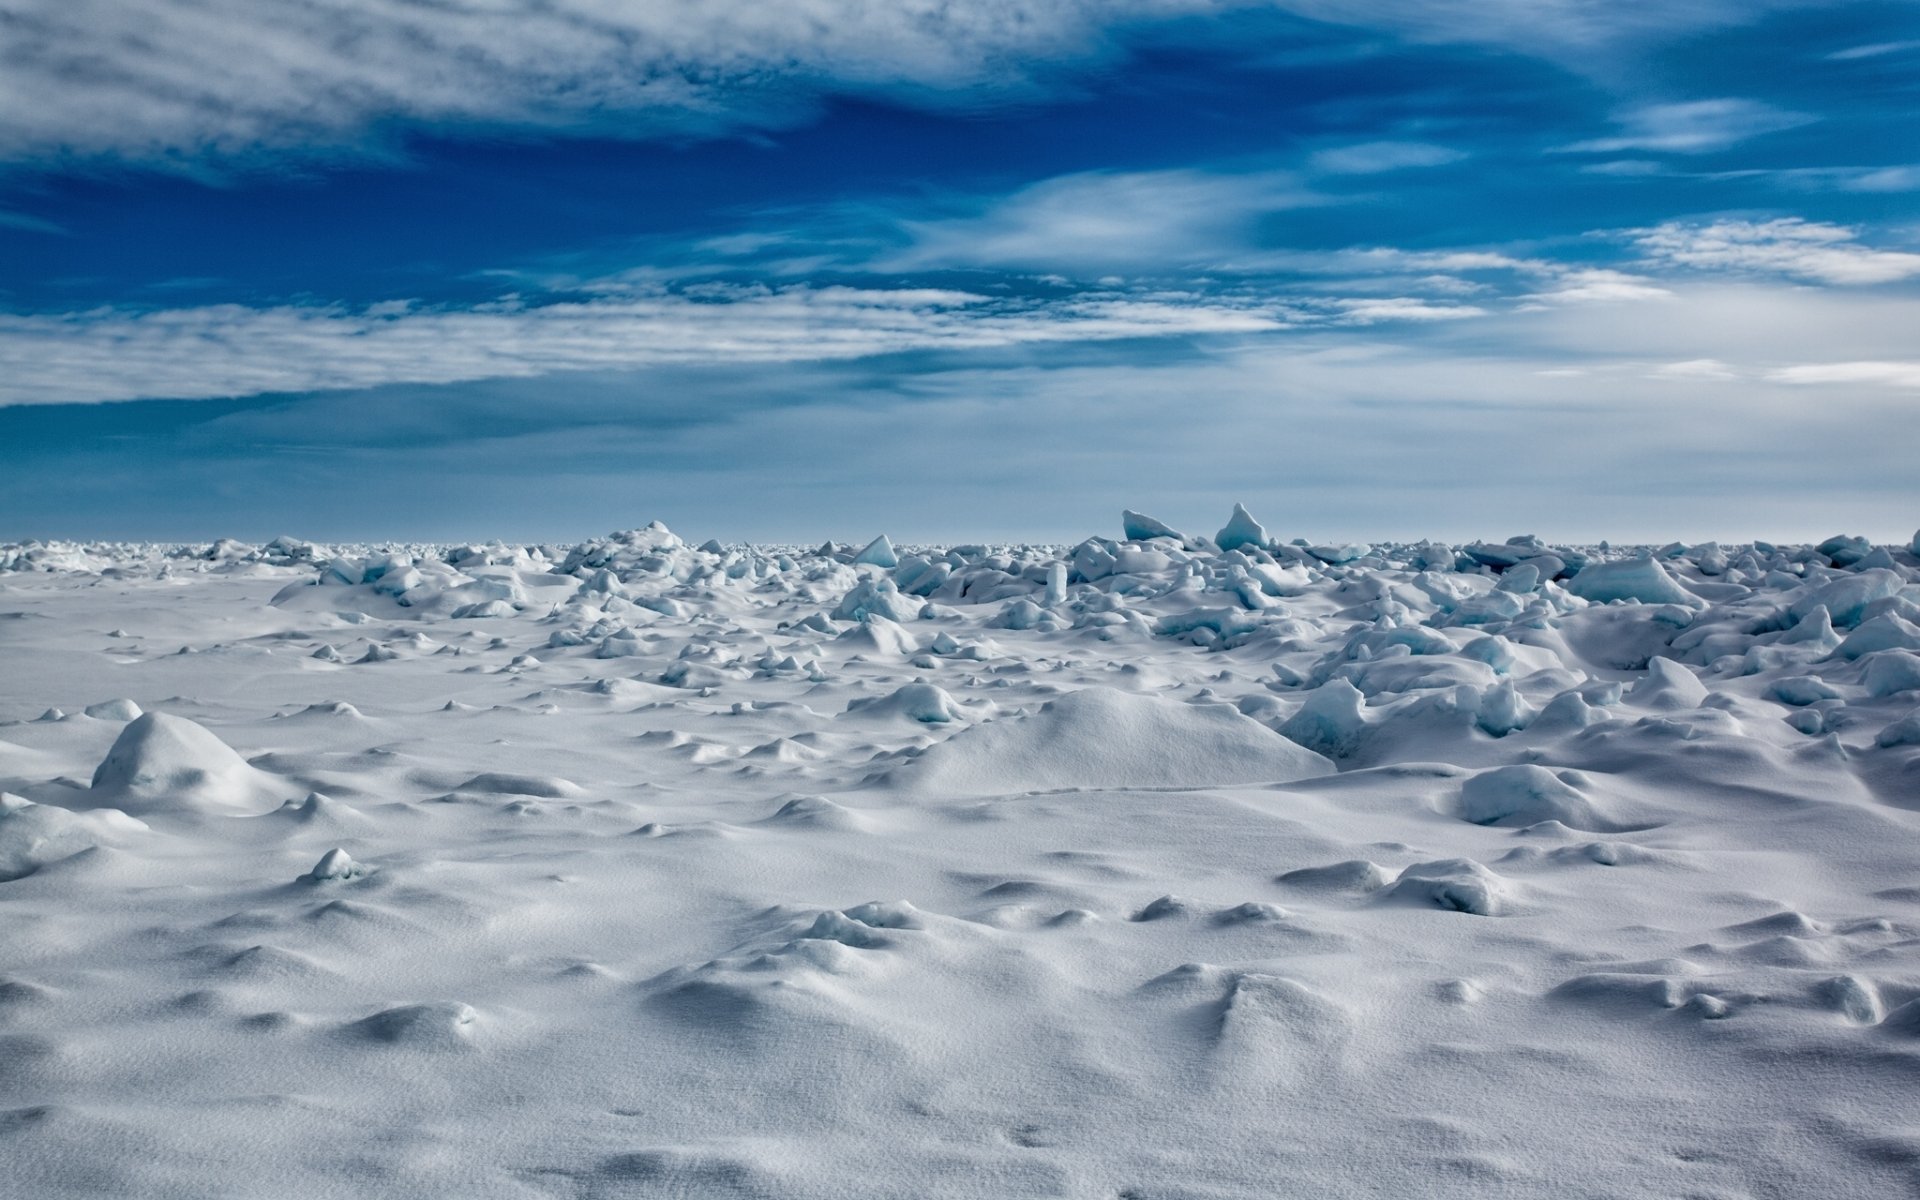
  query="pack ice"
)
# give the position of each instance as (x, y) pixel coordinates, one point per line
(1166, 865)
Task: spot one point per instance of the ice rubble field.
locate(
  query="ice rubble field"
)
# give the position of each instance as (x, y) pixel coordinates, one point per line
(1162, 867)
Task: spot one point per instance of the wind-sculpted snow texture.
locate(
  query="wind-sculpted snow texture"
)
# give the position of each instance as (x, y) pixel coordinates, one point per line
(1137, 868)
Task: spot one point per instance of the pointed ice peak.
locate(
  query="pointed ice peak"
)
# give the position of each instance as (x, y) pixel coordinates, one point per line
(879, 553)
(1240, 530)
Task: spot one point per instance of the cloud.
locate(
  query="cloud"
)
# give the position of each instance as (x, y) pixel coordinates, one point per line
(182, 80)
(1095, 222)
(1693, 127)
(1599, 285)
(1019, 446)
(1788, 246)
(1695, 369)
(1873, 50)
(230, 350)
(1369, 311)
(1884, 374)
(27, 223)
(185, 83)
(1369, 158)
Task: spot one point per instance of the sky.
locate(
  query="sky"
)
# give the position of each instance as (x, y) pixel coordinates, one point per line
(959, 270)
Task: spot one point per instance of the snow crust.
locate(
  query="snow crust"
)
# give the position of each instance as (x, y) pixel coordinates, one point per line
(1151, 866)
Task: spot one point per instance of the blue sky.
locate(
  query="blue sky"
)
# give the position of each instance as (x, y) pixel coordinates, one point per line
(1388, 268)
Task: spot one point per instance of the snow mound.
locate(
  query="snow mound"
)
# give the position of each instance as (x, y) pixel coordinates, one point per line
(923, 702)
(545, 787)
(1101, 738)
(1667, 686)
(1525, 794)
(817, 812)
(324, 812)
(446, 1025)
(164, 763)
(1353, 875)
(1453, 885)
(33, 835)
(334, 865)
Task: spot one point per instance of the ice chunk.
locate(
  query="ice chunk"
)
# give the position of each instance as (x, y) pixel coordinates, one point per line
(1668, 686)
(1334, 555)
(1520, 579)
(876, 597)
(1844, 551)
(1846, 599)
(1813, 629)
(1331, 722)
(1904, 732)
(1138, 527)
(1890, 672)
(1801, 690)
(1642, 579)
(1503, 710)
(1884, 632)
(879, 553)
(1240, 530)
(1056, 584)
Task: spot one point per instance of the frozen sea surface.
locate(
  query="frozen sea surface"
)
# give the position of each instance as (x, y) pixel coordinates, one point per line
(1136, 869)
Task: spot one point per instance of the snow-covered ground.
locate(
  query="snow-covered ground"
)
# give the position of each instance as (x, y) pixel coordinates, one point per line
(1166, 867)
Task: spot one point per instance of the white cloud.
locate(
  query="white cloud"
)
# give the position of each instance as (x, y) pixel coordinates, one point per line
(230, 350)
(185, 81)
(1872, 50)
(1884, 374)
(1599, 285)
(1786, 246)
(1693, 127)
(1881, 179)
(1098, 221)
(1370, 158)
(1626, 168)
(1369, 311)
(1695, 369)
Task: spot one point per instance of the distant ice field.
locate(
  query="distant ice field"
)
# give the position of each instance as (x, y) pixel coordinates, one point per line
(1163, 867)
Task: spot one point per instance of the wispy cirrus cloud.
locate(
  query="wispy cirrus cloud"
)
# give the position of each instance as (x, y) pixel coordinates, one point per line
(185, 83)
(1107, 221)
(1693, 126)
(177, 81)
(1591, 285)
(1373, 158)
(1874, 50)
(1813, 250)
(1877, 373)
(232, 350)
